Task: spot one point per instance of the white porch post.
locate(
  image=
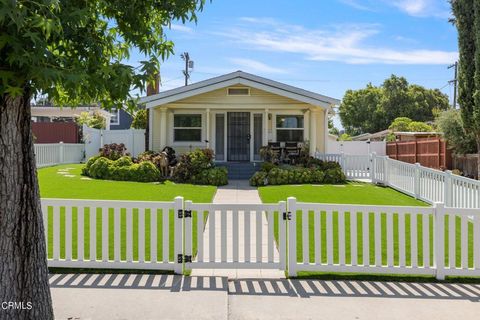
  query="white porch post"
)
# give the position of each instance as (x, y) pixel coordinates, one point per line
(207, 127)
(313, 132)
(150, 129)
(325, 132)
(265, 128)
(163, 128)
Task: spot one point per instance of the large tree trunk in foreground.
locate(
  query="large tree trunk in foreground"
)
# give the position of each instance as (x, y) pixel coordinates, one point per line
(23, 264)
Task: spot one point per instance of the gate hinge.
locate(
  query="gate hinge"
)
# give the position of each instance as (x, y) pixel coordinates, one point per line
(181, 258)
(287, 215)
(184, 213)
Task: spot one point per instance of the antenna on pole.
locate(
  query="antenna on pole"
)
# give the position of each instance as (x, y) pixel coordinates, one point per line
(188, 66)
(455, 82)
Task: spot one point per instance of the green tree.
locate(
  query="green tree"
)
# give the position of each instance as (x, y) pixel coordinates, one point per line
(374, 108)
(140, 119)
(96, 120)
(451, 125)
(345, 137)
(404, 124)
(467, 22)
(73, 52)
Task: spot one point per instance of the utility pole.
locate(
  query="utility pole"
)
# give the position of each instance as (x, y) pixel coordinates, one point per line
(454, 81)
(188, 65)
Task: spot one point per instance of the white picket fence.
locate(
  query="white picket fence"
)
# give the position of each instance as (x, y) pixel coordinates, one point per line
(413, 179)
(50, 154)
(319, 237)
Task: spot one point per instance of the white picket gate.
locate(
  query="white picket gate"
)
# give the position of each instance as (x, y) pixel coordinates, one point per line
(235, 236)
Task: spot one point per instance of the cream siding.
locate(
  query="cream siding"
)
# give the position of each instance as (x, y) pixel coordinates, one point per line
(218, 101)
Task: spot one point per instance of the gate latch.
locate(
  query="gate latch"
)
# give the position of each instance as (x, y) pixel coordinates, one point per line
(181, 258)
(287, 215)
(184, 213)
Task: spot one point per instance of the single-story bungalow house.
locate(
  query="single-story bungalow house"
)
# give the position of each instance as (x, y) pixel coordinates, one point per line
(235, 114)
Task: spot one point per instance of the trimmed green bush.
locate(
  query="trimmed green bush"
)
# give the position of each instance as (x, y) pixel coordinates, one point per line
(122, 169)
(214, 176)
(317, 172)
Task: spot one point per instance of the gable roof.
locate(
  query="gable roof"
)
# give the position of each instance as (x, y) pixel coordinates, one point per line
(235, 78)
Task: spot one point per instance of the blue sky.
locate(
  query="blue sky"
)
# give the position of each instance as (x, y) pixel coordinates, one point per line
(325, 46)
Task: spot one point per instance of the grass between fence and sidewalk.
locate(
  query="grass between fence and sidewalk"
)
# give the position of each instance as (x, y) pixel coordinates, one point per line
(66, 182)
(361, 194)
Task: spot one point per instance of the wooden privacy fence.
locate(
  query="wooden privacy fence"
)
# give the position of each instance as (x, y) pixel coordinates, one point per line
(180, 235)
(467, 164)
(429, 152)
(54, 132)
(50, 154)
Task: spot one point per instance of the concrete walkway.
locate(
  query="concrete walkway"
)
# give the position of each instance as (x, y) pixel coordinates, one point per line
(238, 191)
(94, 296)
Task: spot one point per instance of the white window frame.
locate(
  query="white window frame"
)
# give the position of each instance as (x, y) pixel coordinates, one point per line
(287, 115)
(193, 128)
(115, 113)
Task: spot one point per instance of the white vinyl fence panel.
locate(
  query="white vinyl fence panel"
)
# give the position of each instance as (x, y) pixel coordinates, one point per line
(423, 183)
(133, 139)
(49, 154)
(100, 234)
(357, 147)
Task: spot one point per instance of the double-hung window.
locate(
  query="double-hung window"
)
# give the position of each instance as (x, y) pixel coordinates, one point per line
(289, 128)
(187, 127)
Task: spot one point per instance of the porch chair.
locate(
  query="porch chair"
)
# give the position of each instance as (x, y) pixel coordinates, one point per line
(292, 151)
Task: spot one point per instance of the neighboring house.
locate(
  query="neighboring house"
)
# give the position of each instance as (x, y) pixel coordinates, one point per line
(116, 119)
(235, 114)
(120, 119)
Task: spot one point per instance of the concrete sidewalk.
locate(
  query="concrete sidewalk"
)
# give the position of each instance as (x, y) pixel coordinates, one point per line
(238, 191)
(93, 296)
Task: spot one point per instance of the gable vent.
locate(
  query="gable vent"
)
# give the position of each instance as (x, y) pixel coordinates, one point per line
(238, 91)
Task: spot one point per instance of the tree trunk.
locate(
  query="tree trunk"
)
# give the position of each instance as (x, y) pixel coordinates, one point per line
(24, 288)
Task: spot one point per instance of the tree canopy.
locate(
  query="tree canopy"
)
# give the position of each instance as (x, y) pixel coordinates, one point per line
(77, 51)
(373, 108)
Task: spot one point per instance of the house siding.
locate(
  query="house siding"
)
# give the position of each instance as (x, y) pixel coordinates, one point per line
(218, 101)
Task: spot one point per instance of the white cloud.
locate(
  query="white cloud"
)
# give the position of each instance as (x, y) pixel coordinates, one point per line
(344, 43)
(181, 28)
(422, 8)
(357, 4)
(255, 66)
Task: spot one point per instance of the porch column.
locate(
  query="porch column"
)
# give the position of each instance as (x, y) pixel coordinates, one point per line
(265, 128)
(313, 132)
(163, 128)
(325, 132)
(207, 127)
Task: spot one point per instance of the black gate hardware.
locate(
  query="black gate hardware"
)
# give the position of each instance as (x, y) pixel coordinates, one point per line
(287, 215)
(184, 213)
(184, 258)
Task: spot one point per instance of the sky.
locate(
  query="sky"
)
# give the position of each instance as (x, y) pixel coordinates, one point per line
(326, 46)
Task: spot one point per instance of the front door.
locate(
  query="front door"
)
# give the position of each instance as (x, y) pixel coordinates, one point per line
(238, 136)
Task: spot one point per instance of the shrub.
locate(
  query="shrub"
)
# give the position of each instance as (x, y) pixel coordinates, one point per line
(213, 176)
(113, 151)
(334, 175)
(100, 168)
(299, 175)
(267, 166)
(122, 169)
(88, 164)
(123, 162)
(193, 163)
(258, 179)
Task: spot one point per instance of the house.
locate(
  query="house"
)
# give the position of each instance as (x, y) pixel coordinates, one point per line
(235, 114)
(399, 135)
(116, 119)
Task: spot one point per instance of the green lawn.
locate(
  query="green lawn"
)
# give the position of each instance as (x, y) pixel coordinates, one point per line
(65, 181)
(366, 194)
